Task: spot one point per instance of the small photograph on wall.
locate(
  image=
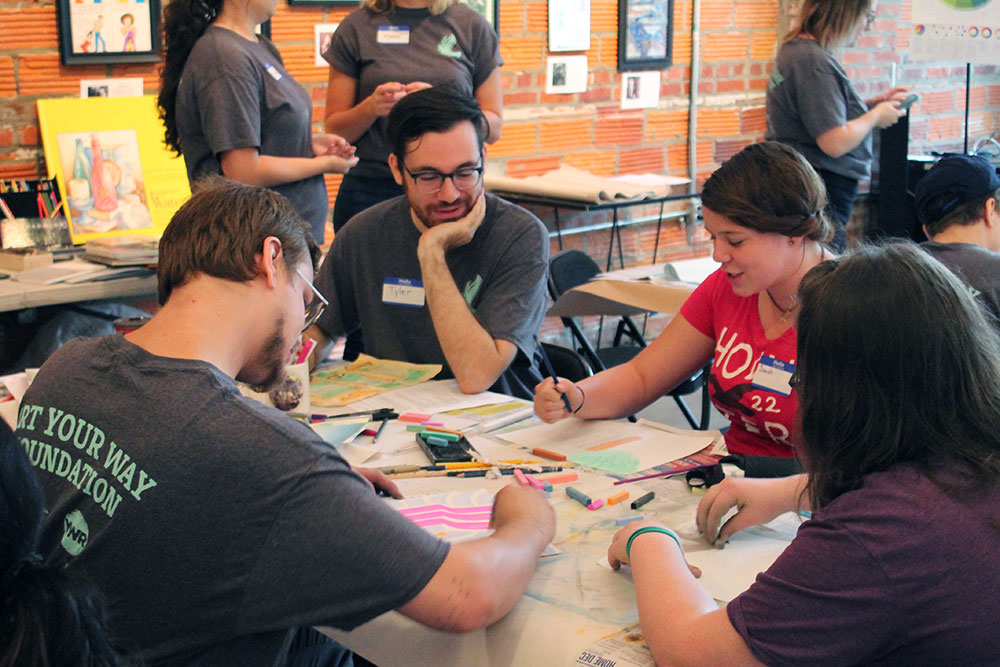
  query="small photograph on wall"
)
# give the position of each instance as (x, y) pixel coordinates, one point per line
(566, 74)
(569, 25)
(114, 87)
(640, 90)
(322, 36)
(107, 191)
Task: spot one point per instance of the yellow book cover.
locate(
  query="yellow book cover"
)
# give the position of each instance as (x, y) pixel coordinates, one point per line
(115, 175)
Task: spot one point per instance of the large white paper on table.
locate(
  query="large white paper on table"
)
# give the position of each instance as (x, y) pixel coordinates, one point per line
(727, 572)
(427, 398)
(613, 446)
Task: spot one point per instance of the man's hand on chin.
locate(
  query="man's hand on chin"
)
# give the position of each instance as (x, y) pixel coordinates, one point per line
(448, 235)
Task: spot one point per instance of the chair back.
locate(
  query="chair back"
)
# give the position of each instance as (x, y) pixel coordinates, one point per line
(569, 269)
(567, 363)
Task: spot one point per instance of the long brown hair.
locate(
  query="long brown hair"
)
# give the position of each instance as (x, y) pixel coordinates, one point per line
(184, 21)
(897, 365)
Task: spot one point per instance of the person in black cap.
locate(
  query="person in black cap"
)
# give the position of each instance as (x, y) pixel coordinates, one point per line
(958, 203)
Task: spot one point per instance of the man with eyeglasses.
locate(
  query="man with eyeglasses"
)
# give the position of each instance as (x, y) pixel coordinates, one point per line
(446, 274)
(215, 526)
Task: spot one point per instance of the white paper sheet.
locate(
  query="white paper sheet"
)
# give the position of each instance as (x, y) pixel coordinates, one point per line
(729, 571)
(581, 441)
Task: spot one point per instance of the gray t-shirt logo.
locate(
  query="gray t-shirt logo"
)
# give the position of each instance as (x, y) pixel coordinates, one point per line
(471, 290)
(76, 532)
(449, 47)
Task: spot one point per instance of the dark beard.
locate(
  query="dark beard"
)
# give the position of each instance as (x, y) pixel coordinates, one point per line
(272, 360)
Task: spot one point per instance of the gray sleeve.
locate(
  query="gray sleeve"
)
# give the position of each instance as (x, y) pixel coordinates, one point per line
(819, 96)
(513, 303)
(487, 57)
(337, 555)
(343, 52)
(229, 106)
(334, 283)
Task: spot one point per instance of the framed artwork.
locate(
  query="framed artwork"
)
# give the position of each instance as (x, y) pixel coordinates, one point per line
(490, 9)
(569, 25)
(645, 34)
(115, 175)
(93, 32)
(324, 3)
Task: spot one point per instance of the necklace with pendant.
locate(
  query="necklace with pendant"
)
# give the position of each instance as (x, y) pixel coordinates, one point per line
(785, 312)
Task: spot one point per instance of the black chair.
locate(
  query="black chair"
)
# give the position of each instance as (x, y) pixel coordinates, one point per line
(567, 363)
(571, 268)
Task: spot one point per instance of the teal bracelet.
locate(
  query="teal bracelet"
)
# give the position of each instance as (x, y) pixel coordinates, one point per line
(650, 529)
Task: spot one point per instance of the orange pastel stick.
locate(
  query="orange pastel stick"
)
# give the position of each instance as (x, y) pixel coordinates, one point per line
(617, 498)
(560, 479)
(554, 456)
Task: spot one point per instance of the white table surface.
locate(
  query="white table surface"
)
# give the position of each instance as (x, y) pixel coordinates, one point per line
(571, 603)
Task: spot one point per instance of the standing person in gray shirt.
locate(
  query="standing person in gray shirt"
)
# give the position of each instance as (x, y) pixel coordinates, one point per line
(812, 107)
(386, 49)
(958, 203)
(230, 107)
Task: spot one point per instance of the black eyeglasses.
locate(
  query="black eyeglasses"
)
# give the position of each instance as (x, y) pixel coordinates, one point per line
(316, 305)
(430, 182)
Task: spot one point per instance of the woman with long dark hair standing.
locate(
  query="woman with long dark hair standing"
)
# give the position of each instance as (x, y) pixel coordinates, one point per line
(230, 107)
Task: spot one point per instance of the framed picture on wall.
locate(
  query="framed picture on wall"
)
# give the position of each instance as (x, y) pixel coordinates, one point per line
(569, 25)
(325, 3)
(127, 31)
(645, 34)
(490, 9)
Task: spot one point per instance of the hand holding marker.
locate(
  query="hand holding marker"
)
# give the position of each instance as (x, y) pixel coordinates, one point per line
(552, 373)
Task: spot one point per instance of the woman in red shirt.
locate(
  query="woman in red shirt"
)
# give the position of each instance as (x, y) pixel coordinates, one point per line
(763, 210)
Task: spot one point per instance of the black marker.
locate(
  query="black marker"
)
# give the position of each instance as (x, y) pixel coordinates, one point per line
(552, 373)
(642, 500)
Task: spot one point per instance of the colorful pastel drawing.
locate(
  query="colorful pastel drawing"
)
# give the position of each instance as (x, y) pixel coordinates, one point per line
(106, 190)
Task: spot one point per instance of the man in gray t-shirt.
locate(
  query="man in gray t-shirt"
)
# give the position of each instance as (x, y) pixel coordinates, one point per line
(446, 274)
(214, 525)
(958, 203)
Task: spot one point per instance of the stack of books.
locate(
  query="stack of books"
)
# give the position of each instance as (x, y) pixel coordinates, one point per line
(123, 250)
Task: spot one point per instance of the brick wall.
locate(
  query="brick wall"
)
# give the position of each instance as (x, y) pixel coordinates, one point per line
(587, 130)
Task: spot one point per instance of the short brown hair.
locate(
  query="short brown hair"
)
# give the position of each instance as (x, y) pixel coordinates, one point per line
(966, 213)
(220, 229)
(829, 21)
(769, 187)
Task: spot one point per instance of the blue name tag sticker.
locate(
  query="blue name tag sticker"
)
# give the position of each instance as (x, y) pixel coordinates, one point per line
(273, 71)
(403, 292)
(393, 34)
(773, 375)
